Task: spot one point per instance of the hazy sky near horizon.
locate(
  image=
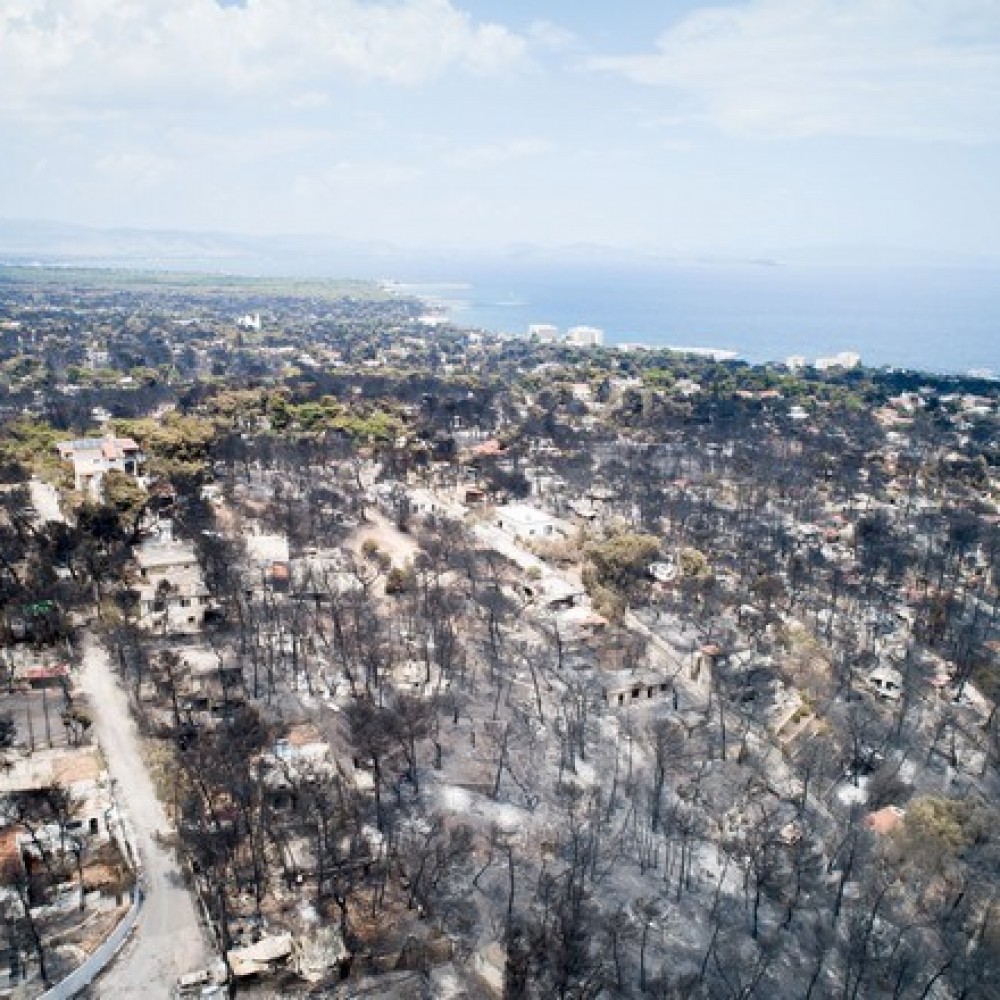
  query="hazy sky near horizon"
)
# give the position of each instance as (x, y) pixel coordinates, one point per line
(724, 126)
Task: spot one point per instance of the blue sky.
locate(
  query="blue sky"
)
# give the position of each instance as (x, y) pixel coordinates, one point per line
(741, 127)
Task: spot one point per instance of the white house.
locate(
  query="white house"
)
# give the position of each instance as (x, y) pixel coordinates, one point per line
(172, 592)
(251, 321)
(526, 522)
(423, 502)
(264, 549)
(93, 458)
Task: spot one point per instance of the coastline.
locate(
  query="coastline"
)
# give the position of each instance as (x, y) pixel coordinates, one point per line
(938, 321)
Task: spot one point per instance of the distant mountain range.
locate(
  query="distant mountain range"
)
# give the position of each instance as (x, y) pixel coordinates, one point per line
(43, 242)
(28, 241)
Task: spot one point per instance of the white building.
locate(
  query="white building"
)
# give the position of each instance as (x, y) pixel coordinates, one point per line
(249, 322)
(423, 502)
(845, 359)
(264, 549)
(585, 336)
(173, 597)
(687, 387)
(93, 458)
(97, 357)
(545, 332)
(526, 522)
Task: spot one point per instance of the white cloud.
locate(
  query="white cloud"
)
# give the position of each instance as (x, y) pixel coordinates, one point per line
(100, 53)
(788, 68)
(350, 178)
(496, 153)
(251, 146)
(309, 101)
(134, 168)
(550, 38)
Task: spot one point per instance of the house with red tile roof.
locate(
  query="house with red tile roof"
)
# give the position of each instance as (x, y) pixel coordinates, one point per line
(884, 821)
(93, 458)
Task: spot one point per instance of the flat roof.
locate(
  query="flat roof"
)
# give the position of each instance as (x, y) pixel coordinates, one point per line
(165, 554)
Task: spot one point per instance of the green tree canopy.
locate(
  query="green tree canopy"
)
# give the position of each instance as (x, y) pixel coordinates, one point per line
(620, 562)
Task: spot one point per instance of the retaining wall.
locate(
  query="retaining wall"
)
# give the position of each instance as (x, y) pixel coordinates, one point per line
(83, 976)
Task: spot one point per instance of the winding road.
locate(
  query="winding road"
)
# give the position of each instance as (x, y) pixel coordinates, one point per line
(169, 940)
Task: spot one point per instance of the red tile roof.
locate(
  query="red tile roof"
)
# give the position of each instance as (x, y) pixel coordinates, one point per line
(884, 821)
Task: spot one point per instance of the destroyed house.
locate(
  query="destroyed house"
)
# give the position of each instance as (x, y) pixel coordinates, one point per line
(636, 688)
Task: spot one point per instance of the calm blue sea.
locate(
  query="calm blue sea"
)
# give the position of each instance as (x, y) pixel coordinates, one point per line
(931, 318)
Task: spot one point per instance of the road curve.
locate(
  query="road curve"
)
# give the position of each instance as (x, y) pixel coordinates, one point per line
(168, 940)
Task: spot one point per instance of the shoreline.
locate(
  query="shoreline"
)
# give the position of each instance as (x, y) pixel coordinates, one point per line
(441, 310)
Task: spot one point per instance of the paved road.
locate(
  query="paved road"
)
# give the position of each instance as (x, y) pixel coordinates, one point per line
(169, 940)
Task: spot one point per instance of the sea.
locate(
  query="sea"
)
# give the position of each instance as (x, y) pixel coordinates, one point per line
(930, 318)
(942, 318)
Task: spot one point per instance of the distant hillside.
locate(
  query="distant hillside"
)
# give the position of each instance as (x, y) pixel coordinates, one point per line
(189, 282)
(41, 242)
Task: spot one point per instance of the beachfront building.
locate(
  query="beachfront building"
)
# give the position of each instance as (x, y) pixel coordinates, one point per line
(845, 360)
(546, 333)
(585, 336)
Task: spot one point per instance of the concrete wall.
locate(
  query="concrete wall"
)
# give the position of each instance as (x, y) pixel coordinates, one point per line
(82, 977)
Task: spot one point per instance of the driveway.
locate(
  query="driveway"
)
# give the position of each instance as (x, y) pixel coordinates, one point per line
(45, 499)
(169, 940)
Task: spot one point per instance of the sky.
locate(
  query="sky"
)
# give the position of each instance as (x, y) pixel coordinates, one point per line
(672, 126)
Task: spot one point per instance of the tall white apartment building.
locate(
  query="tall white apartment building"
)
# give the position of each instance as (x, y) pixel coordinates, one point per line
(845, 359)
(585, 336)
